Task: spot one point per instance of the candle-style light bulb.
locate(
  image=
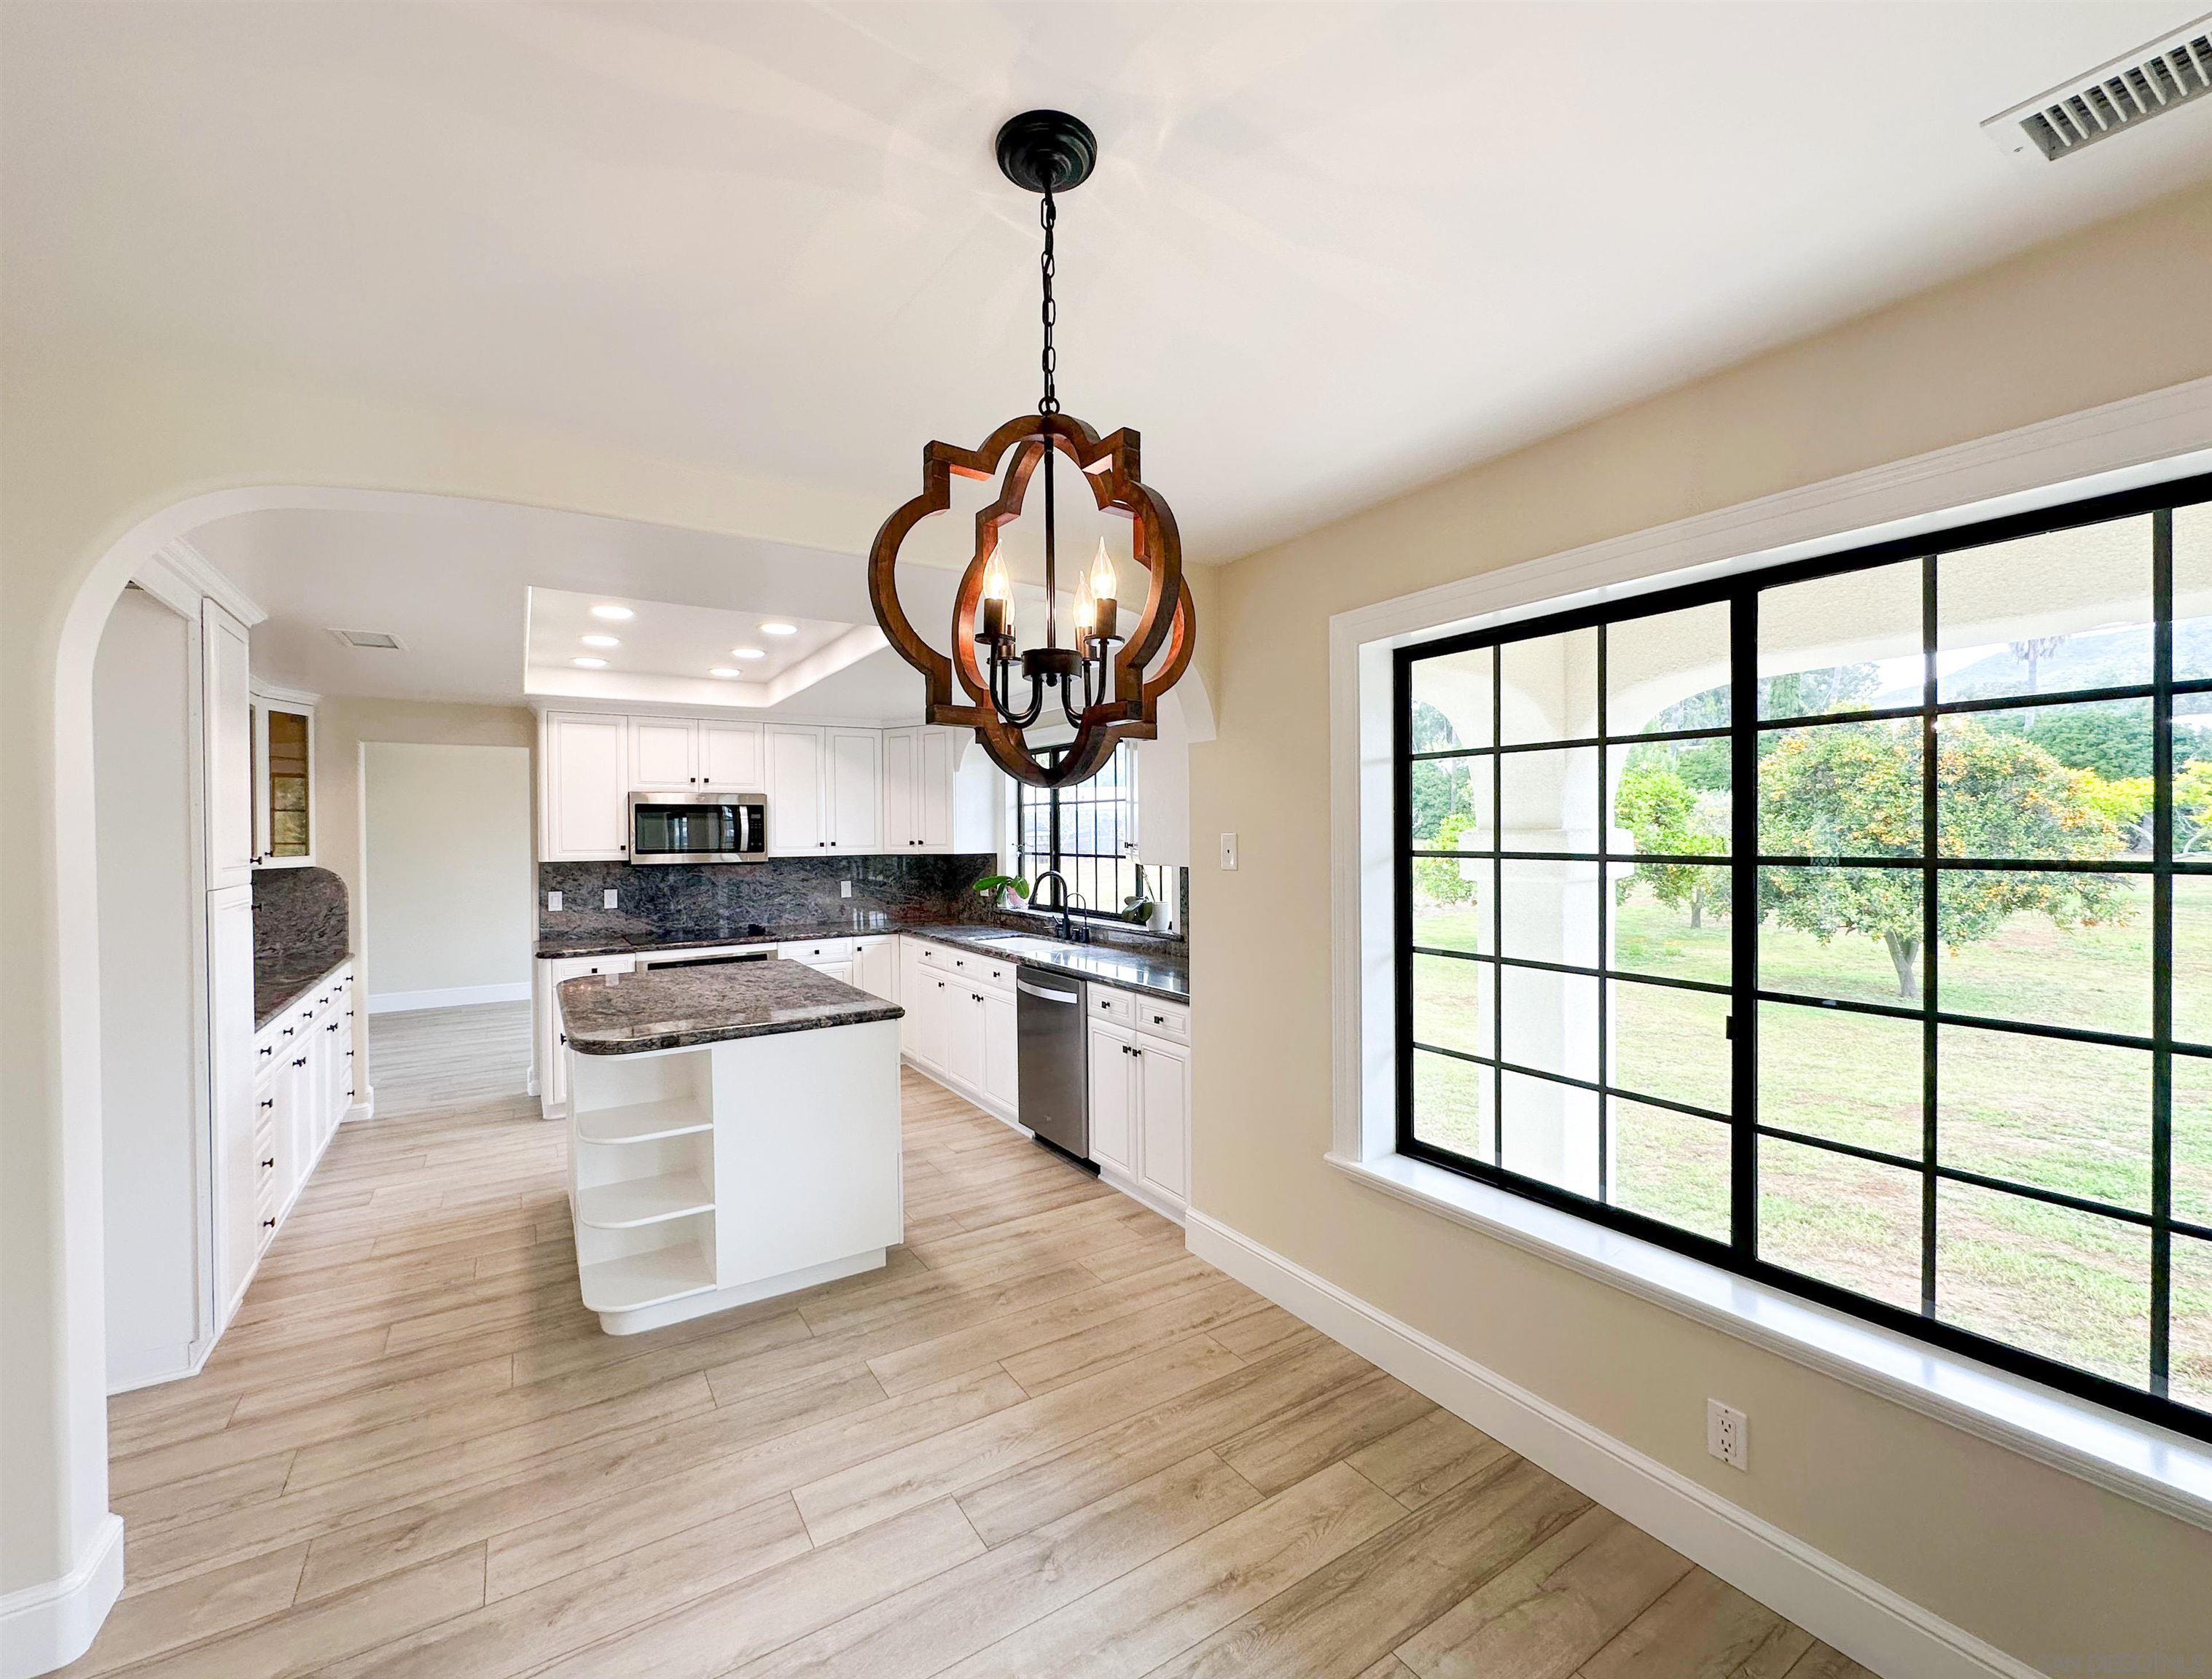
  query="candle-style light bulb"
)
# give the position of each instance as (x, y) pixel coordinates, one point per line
(995, 587)
(1101, 574)
(996, 604)
(1086, 610)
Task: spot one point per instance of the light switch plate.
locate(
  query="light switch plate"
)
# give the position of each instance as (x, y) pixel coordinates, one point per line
(553, 903)
(1229, 851)
(607, 899)
(844, 888)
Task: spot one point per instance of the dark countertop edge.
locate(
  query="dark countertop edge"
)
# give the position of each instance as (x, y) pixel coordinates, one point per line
(727, 1034)
(263, 1017)
(556, 951)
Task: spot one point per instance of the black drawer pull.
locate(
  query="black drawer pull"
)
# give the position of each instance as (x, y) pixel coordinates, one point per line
(302, 1062)
(269, 1164)
(268, 1101)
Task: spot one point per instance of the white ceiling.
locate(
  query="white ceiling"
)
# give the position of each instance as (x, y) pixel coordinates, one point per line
(455, 582)
(657, 642)
(1330, 251)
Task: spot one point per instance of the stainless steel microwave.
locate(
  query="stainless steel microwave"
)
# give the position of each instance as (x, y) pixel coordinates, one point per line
(698, 827)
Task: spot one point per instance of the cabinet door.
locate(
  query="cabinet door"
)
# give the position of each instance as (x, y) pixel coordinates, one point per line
(587, 788)
(934, 806)
(1001, 1053)
(933, 1025)
(913, 979)
(332, 1037)
(901, 832)
(553, 1080)
(730, 756)
(1164, 1110)
(283, 783)
(875, 968)
(794, 792)
(855, 777)
(234, 1061)
(227, 727)
(1113, 1075)
(963, 1037)
(663, 754)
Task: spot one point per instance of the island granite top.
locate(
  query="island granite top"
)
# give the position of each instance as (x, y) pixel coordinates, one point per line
(627, 1014)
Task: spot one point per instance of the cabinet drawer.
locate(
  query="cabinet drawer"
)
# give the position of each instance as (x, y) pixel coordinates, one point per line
(816, 950)
(976, 969)
(1169, 1020)
(1106, 1003)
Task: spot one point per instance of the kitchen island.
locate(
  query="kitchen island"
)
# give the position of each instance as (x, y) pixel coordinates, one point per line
(734, 1135)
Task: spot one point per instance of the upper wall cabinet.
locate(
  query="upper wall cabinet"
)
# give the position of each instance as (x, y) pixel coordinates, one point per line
(284, 781)
(677, 754)
(831, 789)
(583, 775)
(227, 718)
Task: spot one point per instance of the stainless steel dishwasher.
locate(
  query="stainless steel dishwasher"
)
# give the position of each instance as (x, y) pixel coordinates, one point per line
(1055, 1079)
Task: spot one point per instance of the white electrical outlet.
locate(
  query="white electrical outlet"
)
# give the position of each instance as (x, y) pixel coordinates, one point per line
(1727, 1434)
(844, 888)
(553, 902)
(607, 899)
(1229, 851)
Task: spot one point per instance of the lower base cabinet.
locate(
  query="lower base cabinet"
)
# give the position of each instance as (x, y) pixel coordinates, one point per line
(303, 1087)
(551, 1042)
(1140, 1101)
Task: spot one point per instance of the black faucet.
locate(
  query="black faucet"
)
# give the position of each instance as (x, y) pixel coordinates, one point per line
(1067, 931)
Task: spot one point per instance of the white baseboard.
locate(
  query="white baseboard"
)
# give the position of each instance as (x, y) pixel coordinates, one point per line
(1864, 1619)
(452, 997)
(50, 1625)
(150, 1369)
(363, 1109)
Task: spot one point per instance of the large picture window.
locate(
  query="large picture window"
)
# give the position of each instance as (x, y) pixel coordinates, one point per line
(1847, 924)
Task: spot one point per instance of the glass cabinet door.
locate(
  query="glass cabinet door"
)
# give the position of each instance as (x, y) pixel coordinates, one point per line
(283, 783)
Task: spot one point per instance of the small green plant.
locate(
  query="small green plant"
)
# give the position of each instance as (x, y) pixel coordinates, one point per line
(991, 888)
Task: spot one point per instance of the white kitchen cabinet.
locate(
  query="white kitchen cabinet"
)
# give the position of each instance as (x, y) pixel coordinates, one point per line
(227, 728)
(1163, 1112)
(584, 774)
(964, 1036)
(730, 756)
(284, 781)
(1140, 1095)
(234, 1061)
(301, 1086)
(926, 996)
(552, 1042)
(901, 785)
(876, 967)
(1113, 1097)
(664, 754)
(934, 793)
(1001, 1053)
(852, 789)
(794, 792)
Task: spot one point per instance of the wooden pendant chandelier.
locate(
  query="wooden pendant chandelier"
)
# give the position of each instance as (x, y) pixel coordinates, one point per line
(1107, 686)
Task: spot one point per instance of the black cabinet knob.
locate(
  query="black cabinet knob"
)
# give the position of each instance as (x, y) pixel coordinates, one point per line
(269, 1164)
(268, 1224)
(268, 1101)
(300, 1062)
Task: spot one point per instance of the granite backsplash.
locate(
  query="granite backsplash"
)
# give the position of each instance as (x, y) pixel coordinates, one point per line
(674, 899)
(299, 920)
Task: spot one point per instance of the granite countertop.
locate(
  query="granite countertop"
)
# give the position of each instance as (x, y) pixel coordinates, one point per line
(1162, 976)
(625, 1014)
(277, 987)
(625, 939)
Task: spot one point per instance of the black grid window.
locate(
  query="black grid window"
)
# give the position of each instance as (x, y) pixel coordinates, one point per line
(1847, 924)
(1087, 830)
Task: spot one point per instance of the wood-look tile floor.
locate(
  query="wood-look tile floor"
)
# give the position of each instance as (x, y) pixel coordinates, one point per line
(1043, 1441)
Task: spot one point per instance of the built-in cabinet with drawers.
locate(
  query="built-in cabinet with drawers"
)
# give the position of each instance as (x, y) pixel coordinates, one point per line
(831, 791)
(1140, 1060)
(959, 1023)
(302, 1087)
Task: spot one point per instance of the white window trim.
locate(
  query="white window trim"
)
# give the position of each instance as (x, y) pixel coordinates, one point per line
(2147, 439)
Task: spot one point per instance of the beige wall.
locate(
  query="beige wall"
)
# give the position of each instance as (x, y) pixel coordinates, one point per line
(2037, 1562)
(449, 868)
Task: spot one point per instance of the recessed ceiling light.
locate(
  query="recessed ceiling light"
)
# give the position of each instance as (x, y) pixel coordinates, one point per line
(779, 629)
(748, 653)
(723, 671)
(611, 613)
(601, 641)
(589, 663)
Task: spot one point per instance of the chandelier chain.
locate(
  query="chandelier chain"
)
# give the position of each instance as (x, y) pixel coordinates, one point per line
(1048, 214)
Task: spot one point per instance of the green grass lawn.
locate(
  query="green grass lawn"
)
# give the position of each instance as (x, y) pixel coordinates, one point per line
(2073, 1117)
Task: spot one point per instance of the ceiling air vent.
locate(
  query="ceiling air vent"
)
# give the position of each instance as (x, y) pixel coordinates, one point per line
(2161, 77)
(370, 639)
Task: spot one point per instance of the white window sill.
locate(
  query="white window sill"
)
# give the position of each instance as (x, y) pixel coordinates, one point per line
(2153, 1465)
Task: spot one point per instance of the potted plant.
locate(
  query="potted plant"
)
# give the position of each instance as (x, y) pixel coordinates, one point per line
(992, 888)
